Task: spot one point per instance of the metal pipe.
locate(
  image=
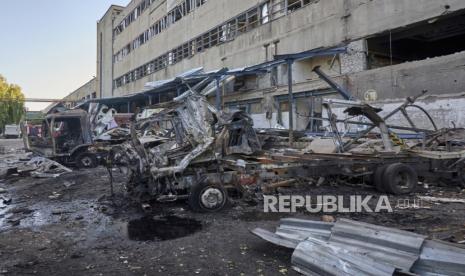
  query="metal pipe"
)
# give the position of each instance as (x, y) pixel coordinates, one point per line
(372, 125)
(344, 93)
(290, 99)
(218, 94)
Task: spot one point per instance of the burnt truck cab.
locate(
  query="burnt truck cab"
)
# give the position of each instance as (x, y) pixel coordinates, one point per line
(65, 137)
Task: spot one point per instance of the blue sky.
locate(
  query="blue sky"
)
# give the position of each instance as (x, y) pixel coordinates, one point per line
(48, 47)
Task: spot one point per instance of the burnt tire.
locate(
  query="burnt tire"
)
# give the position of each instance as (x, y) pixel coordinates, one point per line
(86, 161)
(400, 179)
(378, 178)
(204, 197)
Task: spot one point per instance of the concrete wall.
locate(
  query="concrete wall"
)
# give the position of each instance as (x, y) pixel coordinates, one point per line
(105, 52)
(321, 24)
(441, 75)
(200, 20)
(84, 91)
(446, 110)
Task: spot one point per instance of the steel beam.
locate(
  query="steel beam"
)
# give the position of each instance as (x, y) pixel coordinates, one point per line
(291, 99)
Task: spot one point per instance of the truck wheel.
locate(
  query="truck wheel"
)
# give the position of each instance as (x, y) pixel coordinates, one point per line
(204, 197)
(86, 160)
(378, 178)
(400, 179)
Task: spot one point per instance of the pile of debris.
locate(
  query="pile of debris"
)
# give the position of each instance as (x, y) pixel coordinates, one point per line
(104, 125)
(27, 165)
(349, 247)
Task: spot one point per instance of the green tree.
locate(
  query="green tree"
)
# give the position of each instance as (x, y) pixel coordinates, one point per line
(11, 103)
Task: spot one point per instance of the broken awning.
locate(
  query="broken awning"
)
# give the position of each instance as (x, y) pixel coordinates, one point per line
(197, 75)
(151, 88)
(176, 81)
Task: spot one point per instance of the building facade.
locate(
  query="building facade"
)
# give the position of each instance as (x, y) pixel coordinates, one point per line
(85, 92)
(396, 49)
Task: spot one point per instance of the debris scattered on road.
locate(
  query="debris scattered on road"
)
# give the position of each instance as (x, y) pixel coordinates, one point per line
(442, 199)
(43, 167)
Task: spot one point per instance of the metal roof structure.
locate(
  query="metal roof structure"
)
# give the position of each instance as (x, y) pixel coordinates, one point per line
(190, 78)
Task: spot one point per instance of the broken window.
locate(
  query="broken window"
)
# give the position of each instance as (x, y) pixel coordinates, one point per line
(214, 37)
(256, 108)
(265, 16)
(433, 38)
(242, 24)
(206, 40)
(192, 49)
(253, 19)
(245, 83)
(293, 5)
(199, 44)
(200, 2)
(132, 16)
(284, 106)
(228, 31)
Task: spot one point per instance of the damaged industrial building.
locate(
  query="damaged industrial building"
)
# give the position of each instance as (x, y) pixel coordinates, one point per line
(202, 111)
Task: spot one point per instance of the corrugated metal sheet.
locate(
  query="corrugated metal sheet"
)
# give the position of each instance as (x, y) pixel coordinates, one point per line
(440, 258)
(387, 245)
(355, 248)
(292, 231)
(317, 257)
(161, 83)
(275, 239)
(300, 229)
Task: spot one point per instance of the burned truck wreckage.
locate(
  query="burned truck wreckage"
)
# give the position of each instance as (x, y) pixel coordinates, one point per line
(184, 150)
(190, 150)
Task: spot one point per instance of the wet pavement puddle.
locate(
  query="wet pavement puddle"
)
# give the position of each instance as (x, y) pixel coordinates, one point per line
(160, 229)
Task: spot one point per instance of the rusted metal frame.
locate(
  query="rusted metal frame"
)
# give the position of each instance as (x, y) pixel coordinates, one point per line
(385, 136)
(352, 157)
(426, 113)
(404, 112)
(407, 102)
(290, 62)
(344, 93)
(218, 98)
(332, 122)
(370, 124)
(52, 132)
(456, 163)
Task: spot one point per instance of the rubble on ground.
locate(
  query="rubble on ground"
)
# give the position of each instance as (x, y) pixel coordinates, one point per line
(36, 166)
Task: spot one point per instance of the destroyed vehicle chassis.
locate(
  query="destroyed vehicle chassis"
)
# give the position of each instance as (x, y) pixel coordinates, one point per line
(206, 191)
(267, 169)
(404, 169)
